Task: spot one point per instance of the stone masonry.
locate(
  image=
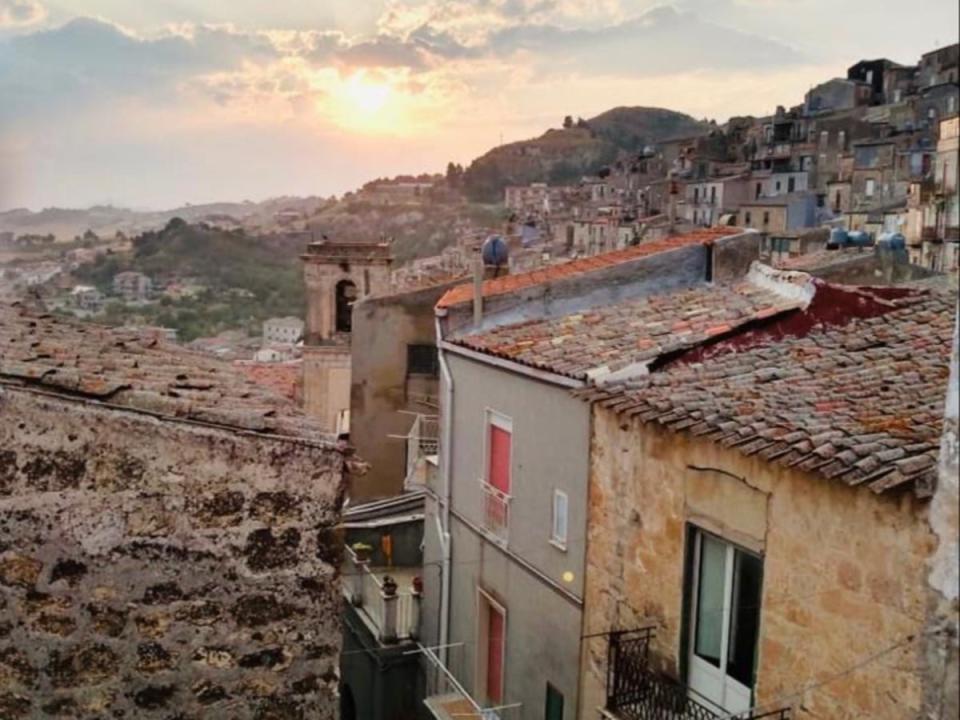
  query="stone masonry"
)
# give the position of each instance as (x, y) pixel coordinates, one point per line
(153, 564)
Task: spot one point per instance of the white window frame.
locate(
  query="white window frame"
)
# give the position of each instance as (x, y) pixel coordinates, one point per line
(870, 187)
(558, 541)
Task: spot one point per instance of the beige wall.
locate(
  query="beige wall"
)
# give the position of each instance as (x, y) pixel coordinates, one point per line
(843, 568)
(326, 383)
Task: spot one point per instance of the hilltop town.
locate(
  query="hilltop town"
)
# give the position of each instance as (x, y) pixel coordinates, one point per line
(648, 417)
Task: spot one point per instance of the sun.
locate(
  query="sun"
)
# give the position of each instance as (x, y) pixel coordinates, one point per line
(367, 96)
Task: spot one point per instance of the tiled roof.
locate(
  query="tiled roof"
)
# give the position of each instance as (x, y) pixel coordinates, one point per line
(862, 403)
(634, 331)
(823, 258)
(509, 283)
(128, 369)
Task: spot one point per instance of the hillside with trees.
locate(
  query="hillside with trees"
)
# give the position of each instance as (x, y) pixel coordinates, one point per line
(578, 148)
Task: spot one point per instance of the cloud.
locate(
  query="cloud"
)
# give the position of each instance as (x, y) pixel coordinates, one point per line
(20, 13)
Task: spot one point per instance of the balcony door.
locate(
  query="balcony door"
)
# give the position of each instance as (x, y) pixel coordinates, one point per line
(491, 646)
(725, 623)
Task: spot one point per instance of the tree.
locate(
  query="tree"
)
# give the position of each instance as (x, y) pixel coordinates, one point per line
(454, 175)
(567, 122)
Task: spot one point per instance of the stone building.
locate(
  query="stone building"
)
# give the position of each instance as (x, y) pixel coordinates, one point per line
(132, 286)
(760, 520)
(337, 274)
(167, 543)
(282, 330)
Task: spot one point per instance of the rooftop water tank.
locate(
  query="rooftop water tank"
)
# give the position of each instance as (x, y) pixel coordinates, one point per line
(838, 239)
(858, 238)
(495, 251)
(892, 241)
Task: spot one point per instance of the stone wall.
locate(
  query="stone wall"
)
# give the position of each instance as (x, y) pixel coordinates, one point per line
(943, 624)
(844, 569)
(155, 568)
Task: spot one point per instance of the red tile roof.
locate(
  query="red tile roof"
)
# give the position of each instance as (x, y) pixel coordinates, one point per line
(632, 331)
(861, 404)
(129, 369)
(509, 283)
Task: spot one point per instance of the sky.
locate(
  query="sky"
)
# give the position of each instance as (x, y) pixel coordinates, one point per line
(159, 103)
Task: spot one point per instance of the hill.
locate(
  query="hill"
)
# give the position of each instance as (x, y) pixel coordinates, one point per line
(244, 279)
(563, 155)
(106, 220)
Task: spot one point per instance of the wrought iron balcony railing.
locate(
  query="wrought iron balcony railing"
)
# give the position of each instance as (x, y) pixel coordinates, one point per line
(636, 691)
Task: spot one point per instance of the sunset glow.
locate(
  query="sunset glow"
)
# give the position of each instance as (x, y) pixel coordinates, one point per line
(344, 80)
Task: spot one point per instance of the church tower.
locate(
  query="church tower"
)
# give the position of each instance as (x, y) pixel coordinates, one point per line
(336, 275)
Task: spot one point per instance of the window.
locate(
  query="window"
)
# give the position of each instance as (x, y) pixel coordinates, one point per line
(554, 704)
(724, 593)
(778, 186)
(791, 184)
(713, 193)
(766, 217)
(696, 194)
(747, 218)
(346, 295)
(841, 139)
(759, 189)
(558, 535)
(870, 188)
(497, 481)
(422, 360)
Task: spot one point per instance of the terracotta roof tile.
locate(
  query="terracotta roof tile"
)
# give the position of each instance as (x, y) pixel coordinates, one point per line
(509, 283)
(125, 368)
(861, 403)
(628, 332)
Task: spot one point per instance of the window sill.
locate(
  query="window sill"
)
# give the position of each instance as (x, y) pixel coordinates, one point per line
(562, 547)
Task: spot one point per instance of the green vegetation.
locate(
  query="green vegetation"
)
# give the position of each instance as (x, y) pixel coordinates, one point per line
(245, 280)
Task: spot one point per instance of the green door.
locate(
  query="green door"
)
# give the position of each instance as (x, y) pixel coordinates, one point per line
(554, 703)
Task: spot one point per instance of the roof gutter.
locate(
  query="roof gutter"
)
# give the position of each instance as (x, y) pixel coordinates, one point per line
(515, 367)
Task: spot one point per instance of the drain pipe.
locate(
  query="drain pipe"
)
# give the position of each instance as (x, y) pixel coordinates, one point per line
(446, 435)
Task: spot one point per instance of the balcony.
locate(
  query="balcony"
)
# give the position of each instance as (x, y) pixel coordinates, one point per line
(636, 691)
(496, 513)
(386, 599)
(447, 699)
(423, 447)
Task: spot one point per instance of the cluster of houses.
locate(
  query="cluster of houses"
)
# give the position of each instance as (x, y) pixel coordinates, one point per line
(662, 481)
(130, 287)
(872, 153)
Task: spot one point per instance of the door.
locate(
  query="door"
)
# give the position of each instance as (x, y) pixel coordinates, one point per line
(725, 623)
(495, 657)
(491, 647)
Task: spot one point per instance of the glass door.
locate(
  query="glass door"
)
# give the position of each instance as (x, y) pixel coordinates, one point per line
(725, 625)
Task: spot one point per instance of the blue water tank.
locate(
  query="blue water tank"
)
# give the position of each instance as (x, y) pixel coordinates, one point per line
(858, 238)
(892, 241)
(838, 239)
(495, 251)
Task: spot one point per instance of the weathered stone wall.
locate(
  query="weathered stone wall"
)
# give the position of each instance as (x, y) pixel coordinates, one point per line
(844, 569)
(153, 568)
(942, 669)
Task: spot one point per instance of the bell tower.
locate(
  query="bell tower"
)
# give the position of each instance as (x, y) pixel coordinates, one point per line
(336, 275)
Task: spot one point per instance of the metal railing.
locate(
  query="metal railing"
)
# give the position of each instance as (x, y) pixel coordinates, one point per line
(423, 440)
(635, 691)
(496, 512)
(392, 612)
